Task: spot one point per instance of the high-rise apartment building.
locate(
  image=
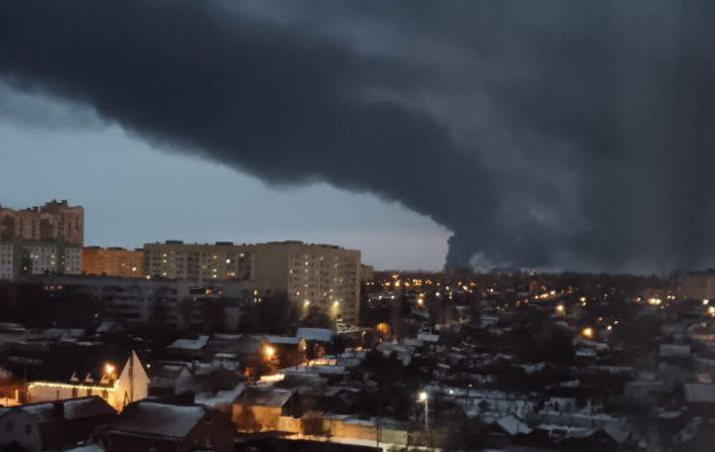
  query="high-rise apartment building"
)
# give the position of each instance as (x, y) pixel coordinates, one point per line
(56, 220)
(113, 262)
(198, 263)
(30, 258)
(308, 275)
(326, 276)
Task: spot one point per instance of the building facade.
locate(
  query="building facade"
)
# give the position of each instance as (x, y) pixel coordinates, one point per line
(138, 303)
(308, 275)
(56, 220)
(113, 262)
(326, 276)
(118, 386)
(198, 263)
(21, 258)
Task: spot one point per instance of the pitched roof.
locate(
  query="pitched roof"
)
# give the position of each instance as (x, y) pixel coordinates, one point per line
(315, 334)
(269, 396)
(513, 425)
(158, 419)
(65, 410)
(190, 344)
(61, 363)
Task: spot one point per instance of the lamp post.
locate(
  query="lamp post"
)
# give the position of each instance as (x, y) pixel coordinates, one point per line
(423, 397)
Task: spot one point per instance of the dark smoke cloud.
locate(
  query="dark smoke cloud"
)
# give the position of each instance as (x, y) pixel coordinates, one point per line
(543, 134)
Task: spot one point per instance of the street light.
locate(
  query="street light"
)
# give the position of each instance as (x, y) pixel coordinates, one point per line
(269, 352)
(423, 397)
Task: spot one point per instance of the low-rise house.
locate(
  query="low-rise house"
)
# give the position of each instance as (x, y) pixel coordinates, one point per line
(221, 400)
(260, 408)
(171, 378)
(317, 340)
(250, 352)
(320, 335)
(150, 426)
(188, 348)
(290, 351)
(117, 378)
(52, 425)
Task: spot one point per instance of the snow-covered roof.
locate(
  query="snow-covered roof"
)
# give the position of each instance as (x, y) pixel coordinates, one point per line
(109, 326)
(427, 337)
(674, 350)
(220, 398)
(513, 425)
(86, 448)
(273, 397)
(283, 340)
(71, 409)
(317, 369)
(160, 419)
(190, 344)
(315, 334)
(699, 392)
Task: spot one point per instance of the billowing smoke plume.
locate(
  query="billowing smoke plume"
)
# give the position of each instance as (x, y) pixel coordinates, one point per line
(543, 134)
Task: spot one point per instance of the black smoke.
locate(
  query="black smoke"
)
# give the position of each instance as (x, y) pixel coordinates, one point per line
(543, 134)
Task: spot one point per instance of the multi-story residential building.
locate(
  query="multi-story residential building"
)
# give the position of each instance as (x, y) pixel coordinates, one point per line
(113, 262)
(6, 261)
(21, 258)
(307, 274)
(326, 276)
(198, 263)
(56, 220)
(139, 303)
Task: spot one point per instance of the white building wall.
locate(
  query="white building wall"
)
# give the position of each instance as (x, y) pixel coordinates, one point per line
(132, 385)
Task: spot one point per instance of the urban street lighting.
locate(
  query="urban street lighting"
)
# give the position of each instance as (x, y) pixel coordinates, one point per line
(423, 397)
(269, 351)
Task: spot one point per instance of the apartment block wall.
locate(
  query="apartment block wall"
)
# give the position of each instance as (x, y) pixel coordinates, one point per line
(113, 262)
(306, 274)
(199, 263)
(20, 258)
(56, 220)
(312, 275)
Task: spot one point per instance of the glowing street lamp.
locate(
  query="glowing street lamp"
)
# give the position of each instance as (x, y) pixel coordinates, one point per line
(587, 332)
(109, 369)
(269, 352)
(423, 397)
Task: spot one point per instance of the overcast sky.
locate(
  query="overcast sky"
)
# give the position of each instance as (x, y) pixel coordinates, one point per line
(537, 134)
(134, 193)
